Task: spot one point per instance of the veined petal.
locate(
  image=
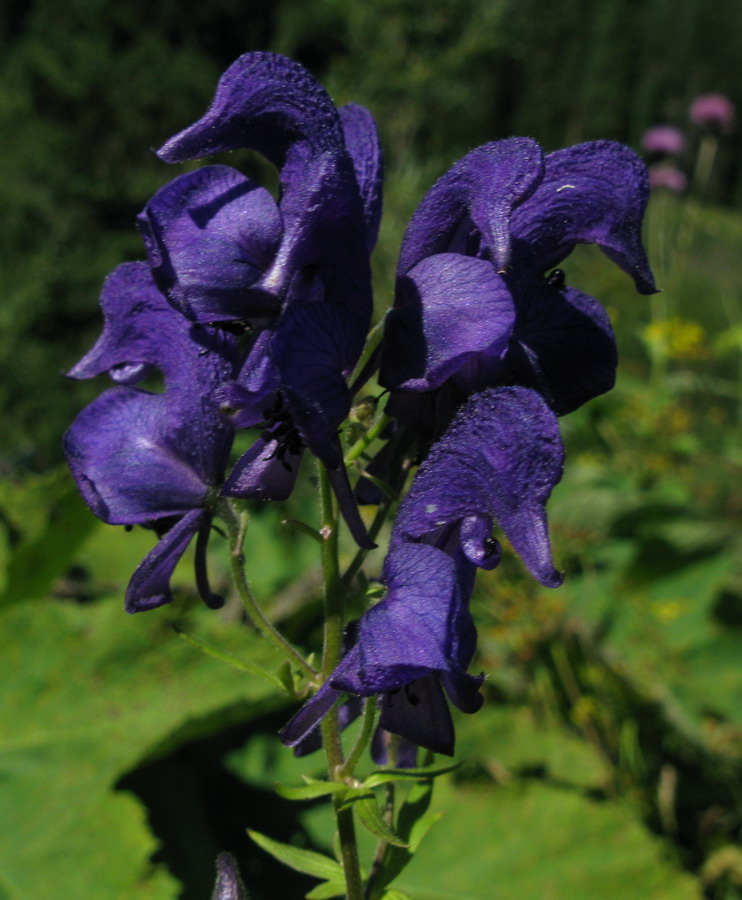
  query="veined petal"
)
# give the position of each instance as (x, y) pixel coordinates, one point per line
(452, 310)
(562, 345)
(472, 201)
(362, 141)
(139, 324)
(593, 193)
(501, 457)
(149, 586)
(210, 235)
(244, 401)
(129, 465)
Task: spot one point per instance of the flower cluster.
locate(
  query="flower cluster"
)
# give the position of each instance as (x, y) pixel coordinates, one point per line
(255, 311)
(223, 259)
(713, 114)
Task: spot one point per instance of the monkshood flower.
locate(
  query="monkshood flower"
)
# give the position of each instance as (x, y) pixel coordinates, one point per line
(153, 459)
(498, 461)
(476, 305)
(297, 271)
(713, 111)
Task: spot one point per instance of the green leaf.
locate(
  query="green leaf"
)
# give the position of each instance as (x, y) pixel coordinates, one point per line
(372, 820)
(307, 861)
(40, 552)
(89, 694)
(311, 790)
(386, 776)
(326, 890)
(394, 895)
(230, 660)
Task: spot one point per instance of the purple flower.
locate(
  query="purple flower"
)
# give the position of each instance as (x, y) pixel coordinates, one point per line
(296, 272)
(666, 175)
(476, 305)
(665, 140)
(153, 459)
(713, 111)
(498, 461)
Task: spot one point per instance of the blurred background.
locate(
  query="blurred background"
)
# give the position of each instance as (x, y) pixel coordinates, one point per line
(608, 758)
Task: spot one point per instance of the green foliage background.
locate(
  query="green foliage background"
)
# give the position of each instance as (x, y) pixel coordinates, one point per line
(608, 759)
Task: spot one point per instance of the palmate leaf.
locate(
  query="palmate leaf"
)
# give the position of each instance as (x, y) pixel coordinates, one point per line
(88, 694)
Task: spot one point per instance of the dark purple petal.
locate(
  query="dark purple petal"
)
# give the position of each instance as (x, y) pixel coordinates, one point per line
(454, 314)
(138, 321)
(563, 345)
(474, 200)
(309, 716)
(405, 757)
(501, 457)
(210, 235)
(593, 193)
(362, 141)
(129, 465)
(263, 102)
(418, 712)
(266, 472)
(348, 507)
(246, 400)
(228, 885)
(348, 712)
(324, 253)
(149, 586)
(314, 345)
(409, 633)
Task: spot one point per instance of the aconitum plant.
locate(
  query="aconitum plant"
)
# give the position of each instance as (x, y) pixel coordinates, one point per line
(256, 310)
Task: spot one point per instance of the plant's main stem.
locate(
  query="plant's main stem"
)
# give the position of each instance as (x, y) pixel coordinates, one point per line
(331, 654)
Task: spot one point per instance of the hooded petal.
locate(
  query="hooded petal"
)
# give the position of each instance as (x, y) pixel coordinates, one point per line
(592, 193)
(263, 102)
(210, 235)
(362, 141)
(501, 457)
(149, 586)
(139, 325)
(562, 346)
(453, 313)
(272, 104)
(474, 200)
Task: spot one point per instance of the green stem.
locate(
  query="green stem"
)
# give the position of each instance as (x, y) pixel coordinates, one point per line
(363, 739)
(332, 652)
(236, 528)
(374, 430)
